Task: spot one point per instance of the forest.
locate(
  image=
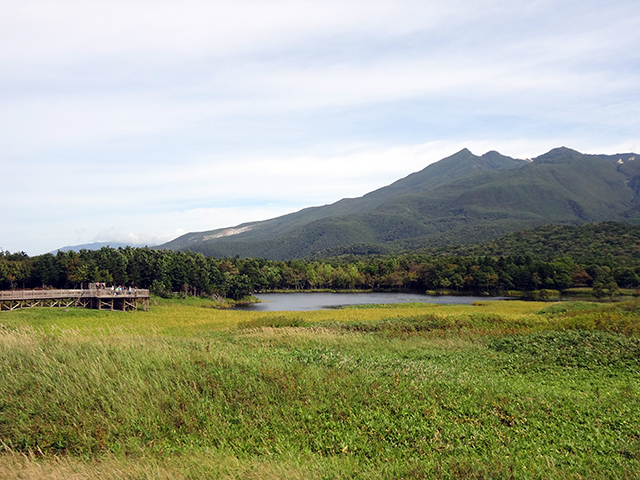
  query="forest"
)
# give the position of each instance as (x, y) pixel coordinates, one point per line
(167, 272)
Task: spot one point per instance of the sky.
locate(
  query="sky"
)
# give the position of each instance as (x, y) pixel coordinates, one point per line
(138, 121)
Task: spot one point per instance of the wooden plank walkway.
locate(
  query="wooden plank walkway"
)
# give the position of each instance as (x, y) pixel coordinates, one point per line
(101, 299)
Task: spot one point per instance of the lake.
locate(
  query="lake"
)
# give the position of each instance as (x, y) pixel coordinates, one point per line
(278, 302)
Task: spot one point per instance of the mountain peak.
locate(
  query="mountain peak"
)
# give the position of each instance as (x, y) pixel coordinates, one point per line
(464, 153)
(491, 153)
(558, 154)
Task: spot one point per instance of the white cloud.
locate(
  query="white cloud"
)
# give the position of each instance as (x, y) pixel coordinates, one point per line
(141, 119)
(69, 30)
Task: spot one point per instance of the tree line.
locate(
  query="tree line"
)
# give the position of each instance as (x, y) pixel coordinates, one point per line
(166, 272)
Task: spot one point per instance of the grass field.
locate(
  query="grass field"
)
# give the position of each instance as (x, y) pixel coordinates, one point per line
(494, 390)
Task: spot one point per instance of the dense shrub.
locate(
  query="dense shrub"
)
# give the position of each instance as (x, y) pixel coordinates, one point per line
(582, 349)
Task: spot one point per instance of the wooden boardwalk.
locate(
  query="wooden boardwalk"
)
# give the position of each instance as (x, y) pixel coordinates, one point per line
(101, 299)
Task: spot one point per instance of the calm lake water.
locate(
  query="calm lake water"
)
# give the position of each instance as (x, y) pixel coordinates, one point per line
(278, 302)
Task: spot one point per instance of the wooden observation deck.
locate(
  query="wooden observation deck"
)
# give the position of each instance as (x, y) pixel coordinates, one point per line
(100, 299)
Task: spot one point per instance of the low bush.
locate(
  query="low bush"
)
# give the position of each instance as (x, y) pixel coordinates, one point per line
(564, 307)
(481, 323)
(272, 321)
(581, 349)
(622, 318)
(544, 294)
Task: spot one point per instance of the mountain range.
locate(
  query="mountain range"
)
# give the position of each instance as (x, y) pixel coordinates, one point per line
(461, 199)
(95, 246)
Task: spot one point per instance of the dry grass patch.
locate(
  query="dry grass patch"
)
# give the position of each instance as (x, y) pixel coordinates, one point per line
(14, 466)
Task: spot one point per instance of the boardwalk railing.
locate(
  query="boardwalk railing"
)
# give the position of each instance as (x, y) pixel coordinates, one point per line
(70, 293)
(102, 299)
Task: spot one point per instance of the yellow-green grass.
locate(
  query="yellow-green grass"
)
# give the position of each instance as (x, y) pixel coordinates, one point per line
(191, 316)
(494, 390)
(195, 465)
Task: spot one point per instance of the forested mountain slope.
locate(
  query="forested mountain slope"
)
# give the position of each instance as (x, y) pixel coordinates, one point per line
(462, 199)
(590, 243)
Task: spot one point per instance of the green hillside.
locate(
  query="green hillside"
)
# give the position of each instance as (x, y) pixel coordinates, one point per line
(462, 199)
(584, 243)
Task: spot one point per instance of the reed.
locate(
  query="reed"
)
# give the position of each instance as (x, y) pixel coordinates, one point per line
(497, 390)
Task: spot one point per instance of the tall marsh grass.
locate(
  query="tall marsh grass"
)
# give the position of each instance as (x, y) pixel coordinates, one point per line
(498, 390)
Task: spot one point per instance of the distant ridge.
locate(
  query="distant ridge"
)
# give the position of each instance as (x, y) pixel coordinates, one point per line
(95, 246)
(462, 199)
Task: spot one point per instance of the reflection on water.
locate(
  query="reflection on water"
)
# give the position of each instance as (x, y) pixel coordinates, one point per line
(277, 302)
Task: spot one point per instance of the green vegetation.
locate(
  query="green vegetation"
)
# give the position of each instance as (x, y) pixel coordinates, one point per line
(591, 243)
(542, 263)
(494, 390)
